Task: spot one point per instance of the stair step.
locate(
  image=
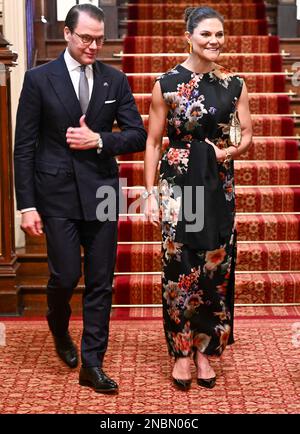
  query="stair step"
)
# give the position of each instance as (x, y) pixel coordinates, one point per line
(170, 3)
(249, 288)
(169, 44)
(144, 82)
(242, 62)
(162, 11)
(177, 27)
(263, 199)
(249, 227)
(251, 257)
(268, 227)
(246, 173)
(261, 104)
(248, 199)
(268, 125)
(261, 149)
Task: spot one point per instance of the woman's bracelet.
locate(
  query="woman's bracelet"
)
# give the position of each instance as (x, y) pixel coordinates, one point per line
(228, 156)
(147, 193)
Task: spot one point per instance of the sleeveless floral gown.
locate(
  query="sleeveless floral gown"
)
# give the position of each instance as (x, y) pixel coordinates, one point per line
(197, 285)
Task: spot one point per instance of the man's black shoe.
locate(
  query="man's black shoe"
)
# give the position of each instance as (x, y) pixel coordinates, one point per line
(66, 350)
(96, 378)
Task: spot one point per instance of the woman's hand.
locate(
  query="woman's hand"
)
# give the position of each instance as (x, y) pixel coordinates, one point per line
(151, 209)
(220, 153)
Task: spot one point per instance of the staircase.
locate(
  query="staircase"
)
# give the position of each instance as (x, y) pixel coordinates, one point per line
(268, 189)
(267, 176)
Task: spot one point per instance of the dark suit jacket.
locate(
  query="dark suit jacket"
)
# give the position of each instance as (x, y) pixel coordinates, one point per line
(48, 175)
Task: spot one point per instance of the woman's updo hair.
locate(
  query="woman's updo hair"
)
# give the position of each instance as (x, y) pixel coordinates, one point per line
(193, 16)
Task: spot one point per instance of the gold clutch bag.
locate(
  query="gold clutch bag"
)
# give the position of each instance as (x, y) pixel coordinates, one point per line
(235, 131)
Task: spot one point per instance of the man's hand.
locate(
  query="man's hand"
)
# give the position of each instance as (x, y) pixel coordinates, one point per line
(82, 138)
(32, 223)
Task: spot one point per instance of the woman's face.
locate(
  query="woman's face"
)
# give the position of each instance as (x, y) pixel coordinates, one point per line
(207, 39)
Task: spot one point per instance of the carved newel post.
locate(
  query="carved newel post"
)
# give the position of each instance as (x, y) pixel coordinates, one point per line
(8, 259)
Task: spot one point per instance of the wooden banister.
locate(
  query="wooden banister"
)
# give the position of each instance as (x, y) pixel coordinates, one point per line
(8, 259)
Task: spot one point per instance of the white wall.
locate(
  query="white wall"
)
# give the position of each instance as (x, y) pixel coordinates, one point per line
(1, 9)
(14, 29)
(63, 7)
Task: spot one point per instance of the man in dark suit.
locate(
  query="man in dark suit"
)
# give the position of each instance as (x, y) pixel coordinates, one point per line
(64, 164)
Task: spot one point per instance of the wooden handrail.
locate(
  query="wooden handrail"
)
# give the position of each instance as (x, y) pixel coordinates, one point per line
(8, 258)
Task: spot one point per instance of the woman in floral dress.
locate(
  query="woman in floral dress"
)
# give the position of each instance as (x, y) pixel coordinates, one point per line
(199, 99)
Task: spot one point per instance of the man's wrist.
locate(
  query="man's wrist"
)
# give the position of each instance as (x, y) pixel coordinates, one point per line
(22, 211)
(99, 144)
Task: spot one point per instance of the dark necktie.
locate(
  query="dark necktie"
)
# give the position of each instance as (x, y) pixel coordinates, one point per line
(83, 90)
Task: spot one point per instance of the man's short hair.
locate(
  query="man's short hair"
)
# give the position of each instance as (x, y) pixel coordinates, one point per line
(73, 14)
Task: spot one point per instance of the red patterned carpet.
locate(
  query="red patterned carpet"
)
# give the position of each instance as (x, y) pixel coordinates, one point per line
(162, 27)
(263, 104)
(260, 373)
(237, 62)
(160, 12)
(178, 44)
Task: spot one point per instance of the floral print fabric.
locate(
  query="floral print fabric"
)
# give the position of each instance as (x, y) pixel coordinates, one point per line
(197, 286)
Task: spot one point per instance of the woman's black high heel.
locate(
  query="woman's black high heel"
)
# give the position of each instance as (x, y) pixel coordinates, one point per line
(182, 384)
(209, 383)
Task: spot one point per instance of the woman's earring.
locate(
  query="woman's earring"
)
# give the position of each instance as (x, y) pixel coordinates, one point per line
(190, 47)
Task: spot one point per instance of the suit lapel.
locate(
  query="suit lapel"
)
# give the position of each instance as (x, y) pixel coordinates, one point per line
(101, 87)
(63, 87)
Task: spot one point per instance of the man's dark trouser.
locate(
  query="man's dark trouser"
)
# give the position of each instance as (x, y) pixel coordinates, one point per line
(99, 241)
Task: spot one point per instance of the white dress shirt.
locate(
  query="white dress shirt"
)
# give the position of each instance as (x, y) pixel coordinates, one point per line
(74, 70)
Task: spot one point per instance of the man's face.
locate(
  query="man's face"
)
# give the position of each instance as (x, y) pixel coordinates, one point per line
(87, 30)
